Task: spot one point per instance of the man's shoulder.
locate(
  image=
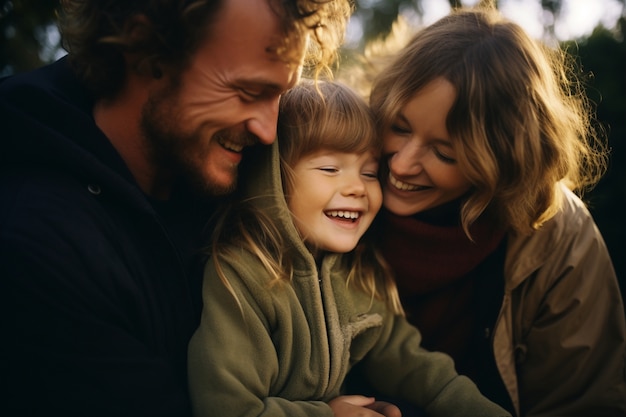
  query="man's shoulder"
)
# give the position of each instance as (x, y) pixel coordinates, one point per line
(48, 87)
(38, 77)
(35, 198)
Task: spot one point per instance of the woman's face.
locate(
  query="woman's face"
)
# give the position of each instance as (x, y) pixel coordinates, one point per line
(422, 169)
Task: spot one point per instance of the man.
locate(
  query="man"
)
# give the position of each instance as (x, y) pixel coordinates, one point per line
(111, 161)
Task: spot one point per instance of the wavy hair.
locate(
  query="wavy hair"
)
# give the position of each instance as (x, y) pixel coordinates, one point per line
(520, 123)
(313, 116)
(97, 33)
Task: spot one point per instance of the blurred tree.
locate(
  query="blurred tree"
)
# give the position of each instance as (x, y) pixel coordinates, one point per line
(603, 56)
(377, 16)
(27, 34)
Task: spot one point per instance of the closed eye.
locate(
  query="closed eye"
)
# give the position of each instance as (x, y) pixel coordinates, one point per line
(443, 157)
(395, 128)
(250, 95)
(372, 175)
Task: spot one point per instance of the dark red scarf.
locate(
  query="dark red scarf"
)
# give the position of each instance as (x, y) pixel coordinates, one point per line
(435, 266)
(426, 257)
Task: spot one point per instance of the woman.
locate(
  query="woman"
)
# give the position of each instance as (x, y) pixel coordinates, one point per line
(497, 261)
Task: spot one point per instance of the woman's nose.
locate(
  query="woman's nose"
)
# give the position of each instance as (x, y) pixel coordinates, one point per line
(407, 160)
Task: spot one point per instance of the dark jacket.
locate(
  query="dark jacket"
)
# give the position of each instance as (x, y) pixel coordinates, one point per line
(97, 292)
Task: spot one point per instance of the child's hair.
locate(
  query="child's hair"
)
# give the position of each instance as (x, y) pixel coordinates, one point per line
(313, 116)
(323, 115)
(520, 122)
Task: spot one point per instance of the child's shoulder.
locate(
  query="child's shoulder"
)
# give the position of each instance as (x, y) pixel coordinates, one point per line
(239, 266)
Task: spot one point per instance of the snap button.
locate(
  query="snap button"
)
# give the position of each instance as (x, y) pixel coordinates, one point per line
(94, 189)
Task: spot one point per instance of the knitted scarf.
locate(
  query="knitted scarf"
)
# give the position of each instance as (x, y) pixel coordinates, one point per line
(427, 255)
(437, 273)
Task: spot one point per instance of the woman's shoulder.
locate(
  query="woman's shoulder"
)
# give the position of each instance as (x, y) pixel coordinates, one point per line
(572, 222)
(567, 223)
(556, 240)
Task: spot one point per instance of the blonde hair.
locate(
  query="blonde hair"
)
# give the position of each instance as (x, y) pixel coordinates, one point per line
(313, 116)
(323, 115)
(520, 122)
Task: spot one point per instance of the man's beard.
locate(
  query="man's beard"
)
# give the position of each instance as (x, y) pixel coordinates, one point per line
(174, 151)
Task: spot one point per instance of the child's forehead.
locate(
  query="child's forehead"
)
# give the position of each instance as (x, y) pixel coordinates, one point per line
(329, 153)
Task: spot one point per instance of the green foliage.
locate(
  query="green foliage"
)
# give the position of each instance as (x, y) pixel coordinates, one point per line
(23, 34)
(377, 16)
(603, 58)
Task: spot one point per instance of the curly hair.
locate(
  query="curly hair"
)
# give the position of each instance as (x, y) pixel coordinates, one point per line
(97, 33)
(520, 123)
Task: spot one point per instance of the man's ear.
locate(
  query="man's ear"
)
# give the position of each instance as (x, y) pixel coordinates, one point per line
(138, 28)
(138, 32)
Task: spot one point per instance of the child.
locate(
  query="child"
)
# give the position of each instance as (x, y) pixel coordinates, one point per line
(292, 297)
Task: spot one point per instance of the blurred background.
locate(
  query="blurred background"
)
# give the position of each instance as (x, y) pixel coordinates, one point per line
(592, 30)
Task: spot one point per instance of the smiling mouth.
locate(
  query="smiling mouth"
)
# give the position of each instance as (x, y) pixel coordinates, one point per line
(230, 145)
(345, 215)
(403, 186)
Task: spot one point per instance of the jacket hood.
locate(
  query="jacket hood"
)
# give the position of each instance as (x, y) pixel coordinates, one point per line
(47, 123)
(262, 184)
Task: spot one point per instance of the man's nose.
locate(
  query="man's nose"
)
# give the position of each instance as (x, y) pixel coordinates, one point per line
(262, 123)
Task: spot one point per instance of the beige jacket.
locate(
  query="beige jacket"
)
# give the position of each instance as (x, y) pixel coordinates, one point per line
(560, 338)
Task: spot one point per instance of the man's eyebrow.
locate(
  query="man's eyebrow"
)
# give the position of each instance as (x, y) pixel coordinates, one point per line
(259, 82)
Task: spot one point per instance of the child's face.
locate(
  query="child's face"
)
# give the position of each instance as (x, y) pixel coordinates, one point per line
(335, 198)
(421, 161)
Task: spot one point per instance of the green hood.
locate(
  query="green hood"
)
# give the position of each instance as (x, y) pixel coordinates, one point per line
(262, 184)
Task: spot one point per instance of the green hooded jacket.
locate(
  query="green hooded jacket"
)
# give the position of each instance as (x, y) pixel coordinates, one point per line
(283, 350)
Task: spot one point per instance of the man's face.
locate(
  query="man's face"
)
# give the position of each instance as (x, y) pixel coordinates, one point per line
(226, 99)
